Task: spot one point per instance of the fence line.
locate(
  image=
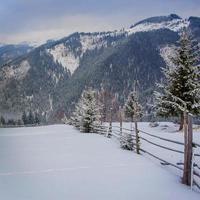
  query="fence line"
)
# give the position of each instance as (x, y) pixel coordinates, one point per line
(165, 139)
(131, 130)
(124, 132)
(119, 134)
(161, 146)
(194, 165)
(196, 184)
(161, 138)
(162, 160)
(196, 173)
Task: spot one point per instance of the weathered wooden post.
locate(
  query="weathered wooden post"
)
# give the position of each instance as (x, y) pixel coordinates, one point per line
(188, 149)
(185, 169)
(137, 138)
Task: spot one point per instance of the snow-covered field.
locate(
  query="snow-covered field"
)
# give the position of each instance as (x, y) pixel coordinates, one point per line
(58, 162)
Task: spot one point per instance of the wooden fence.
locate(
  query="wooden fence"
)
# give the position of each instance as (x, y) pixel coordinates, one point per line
(189, 169)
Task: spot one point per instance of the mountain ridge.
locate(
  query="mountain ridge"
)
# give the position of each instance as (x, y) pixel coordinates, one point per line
(51, 77)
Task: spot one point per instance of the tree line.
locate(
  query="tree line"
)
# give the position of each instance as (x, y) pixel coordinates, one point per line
(27, 118)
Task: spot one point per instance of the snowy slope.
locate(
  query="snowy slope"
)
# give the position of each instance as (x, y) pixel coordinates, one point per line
(65, 57)
(174, 25)
(90, 42)
(58, 162)
(69, 57)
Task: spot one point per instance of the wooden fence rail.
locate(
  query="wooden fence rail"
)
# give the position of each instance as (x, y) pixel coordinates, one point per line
(164, 162)
(161, 138)
(161, 146)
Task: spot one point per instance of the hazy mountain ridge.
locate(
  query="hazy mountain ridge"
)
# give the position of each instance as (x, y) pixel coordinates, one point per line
(10, 52)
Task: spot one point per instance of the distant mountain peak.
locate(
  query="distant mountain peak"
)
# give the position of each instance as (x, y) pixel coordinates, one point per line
(158, 19)
(172, 22)
(175, 16)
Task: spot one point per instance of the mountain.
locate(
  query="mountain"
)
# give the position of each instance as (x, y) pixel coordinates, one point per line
(51, 77)
(32, 81)
(10, 52)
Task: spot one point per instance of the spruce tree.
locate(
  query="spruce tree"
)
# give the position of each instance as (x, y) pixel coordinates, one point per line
(87, 112)
(181, 88)
(132, 110)
(126, 141)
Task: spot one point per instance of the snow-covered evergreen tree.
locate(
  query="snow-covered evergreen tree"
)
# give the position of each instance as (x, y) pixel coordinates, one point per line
(126, 141)
(132, 110)
(87, 112)
(181, 88)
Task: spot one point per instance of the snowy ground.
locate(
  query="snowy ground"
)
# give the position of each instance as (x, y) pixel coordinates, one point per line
(58, 162)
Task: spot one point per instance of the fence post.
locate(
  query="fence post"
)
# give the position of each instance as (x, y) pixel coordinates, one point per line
(120, 118)
(137, 138)
(188, 148)
(192, 170)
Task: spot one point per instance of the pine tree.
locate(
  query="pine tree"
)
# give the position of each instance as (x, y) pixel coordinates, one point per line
(126, 141)
(87, 112)
(132, 110)
(181, 89)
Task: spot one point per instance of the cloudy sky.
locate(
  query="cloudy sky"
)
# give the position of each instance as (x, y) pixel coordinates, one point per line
(39, 20)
